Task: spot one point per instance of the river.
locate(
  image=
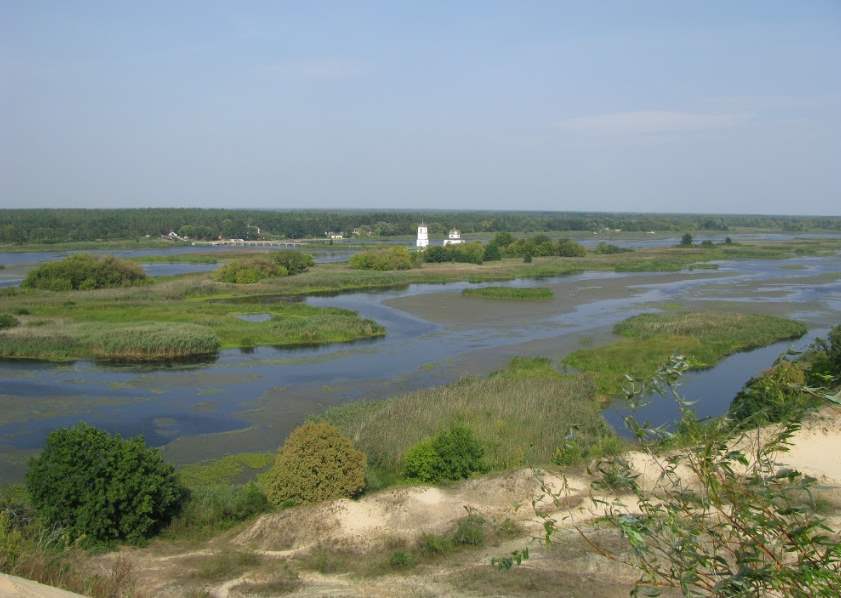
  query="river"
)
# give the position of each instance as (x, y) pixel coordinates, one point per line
(251, 400)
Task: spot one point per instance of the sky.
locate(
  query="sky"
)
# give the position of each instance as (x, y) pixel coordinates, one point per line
(714, 106)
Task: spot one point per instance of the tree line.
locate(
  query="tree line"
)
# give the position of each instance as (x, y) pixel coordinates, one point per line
(86, 225)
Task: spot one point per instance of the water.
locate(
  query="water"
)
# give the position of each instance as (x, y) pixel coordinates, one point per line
(251, 400)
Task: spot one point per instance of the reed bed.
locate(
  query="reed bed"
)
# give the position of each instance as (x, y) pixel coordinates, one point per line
(511, 293)
(520, 417)
(705, 338)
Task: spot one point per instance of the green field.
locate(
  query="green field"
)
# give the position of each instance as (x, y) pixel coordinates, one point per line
(705, 338)
(511, 293)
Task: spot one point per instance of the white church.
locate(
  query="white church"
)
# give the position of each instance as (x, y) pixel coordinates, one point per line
(454, 238)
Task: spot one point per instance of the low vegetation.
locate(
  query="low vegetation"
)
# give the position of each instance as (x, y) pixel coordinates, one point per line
(148, 326)
(704, 338)
(511, 293)
(8, 321)
(249, 271)
(101, 488)
(393, 258)
(519, 416)
(84, 272)
(315, 463)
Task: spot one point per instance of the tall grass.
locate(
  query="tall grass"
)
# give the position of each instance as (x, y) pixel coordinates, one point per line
(511, 293)
(703, 337)
(154, 342)
(521, 417)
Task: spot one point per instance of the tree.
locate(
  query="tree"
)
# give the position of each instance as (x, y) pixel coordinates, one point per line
(317, 462)
(686, 240)
(102, 488)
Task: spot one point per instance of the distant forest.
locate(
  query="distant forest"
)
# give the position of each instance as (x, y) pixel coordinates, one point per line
(68, 225)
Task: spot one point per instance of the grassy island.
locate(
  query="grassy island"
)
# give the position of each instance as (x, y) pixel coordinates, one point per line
(511, 293)
(705, 338)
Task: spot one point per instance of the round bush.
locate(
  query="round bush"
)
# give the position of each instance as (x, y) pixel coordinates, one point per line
(315, 463)
(84, 272)
(101, 487)
(450, 455)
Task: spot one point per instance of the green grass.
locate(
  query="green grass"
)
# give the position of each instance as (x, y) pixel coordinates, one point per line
(229, 469)
(511, 293)
(705, 338)
(520, 415)
(146, 324)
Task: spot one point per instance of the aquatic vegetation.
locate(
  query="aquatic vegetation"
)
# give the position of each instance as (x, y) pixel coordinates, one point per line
(511, 293)
(520, 416)
(84, 272)
(145, 324)
(703, 337)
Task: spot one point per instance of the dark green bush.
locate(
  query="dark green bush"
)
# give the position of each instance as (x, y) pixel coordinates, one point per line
(393, 258)
(8, 321)
(84, 272)
(295, 262)
(470, 253)
(492, 252)
(609, 249)
(774, 396)
(315, 463)
(249, 271)
(102, 488)
(450, 455)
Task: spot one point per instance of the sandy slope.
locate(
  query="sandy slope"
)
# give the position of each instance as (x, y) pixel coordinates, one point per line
(375, 521)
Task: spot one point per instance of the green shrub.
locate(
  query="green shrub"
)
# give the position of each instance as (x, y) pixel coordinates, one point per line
(608, 249)
(249, 271)
(315, 463)
(450, 455)
(84, 272)
(774, 396)
(295, 262)
(470, 253)
(470, 531)
(828, 353)
(8, 321)
(393, 258)
(102, 488)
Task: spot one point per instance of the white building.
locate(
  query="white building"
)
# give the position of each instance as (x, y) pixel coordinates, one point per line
(423, 237)
(454, 238)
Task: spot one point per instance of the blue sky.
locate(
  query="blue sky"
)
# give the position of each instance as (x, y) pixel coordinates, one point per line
(715, 106)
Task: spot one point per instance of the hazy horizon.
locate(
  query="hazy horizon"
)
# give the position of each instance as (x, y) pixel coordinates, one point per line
(640, 107)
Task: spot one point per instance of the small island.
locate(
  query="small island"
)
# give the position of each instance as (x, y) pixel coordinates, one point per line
(511, 293)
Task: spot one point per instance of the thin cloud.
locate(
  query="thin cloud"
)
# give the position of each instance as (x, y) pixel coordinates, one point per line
(652, 122)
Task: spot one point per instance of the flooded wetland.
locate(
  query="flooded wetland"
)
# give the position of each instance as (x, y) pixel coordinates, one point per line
(249, 399)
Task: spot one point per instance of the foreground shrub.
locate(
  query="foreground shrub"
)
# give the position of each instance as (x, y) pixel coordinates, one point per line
(450, 455)
(84, 272)
(315, 463)
(8, 321)
(295, 262)
(742, 527)
(393, 258)
(102, 488)
(249, 271)
(828, 358)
